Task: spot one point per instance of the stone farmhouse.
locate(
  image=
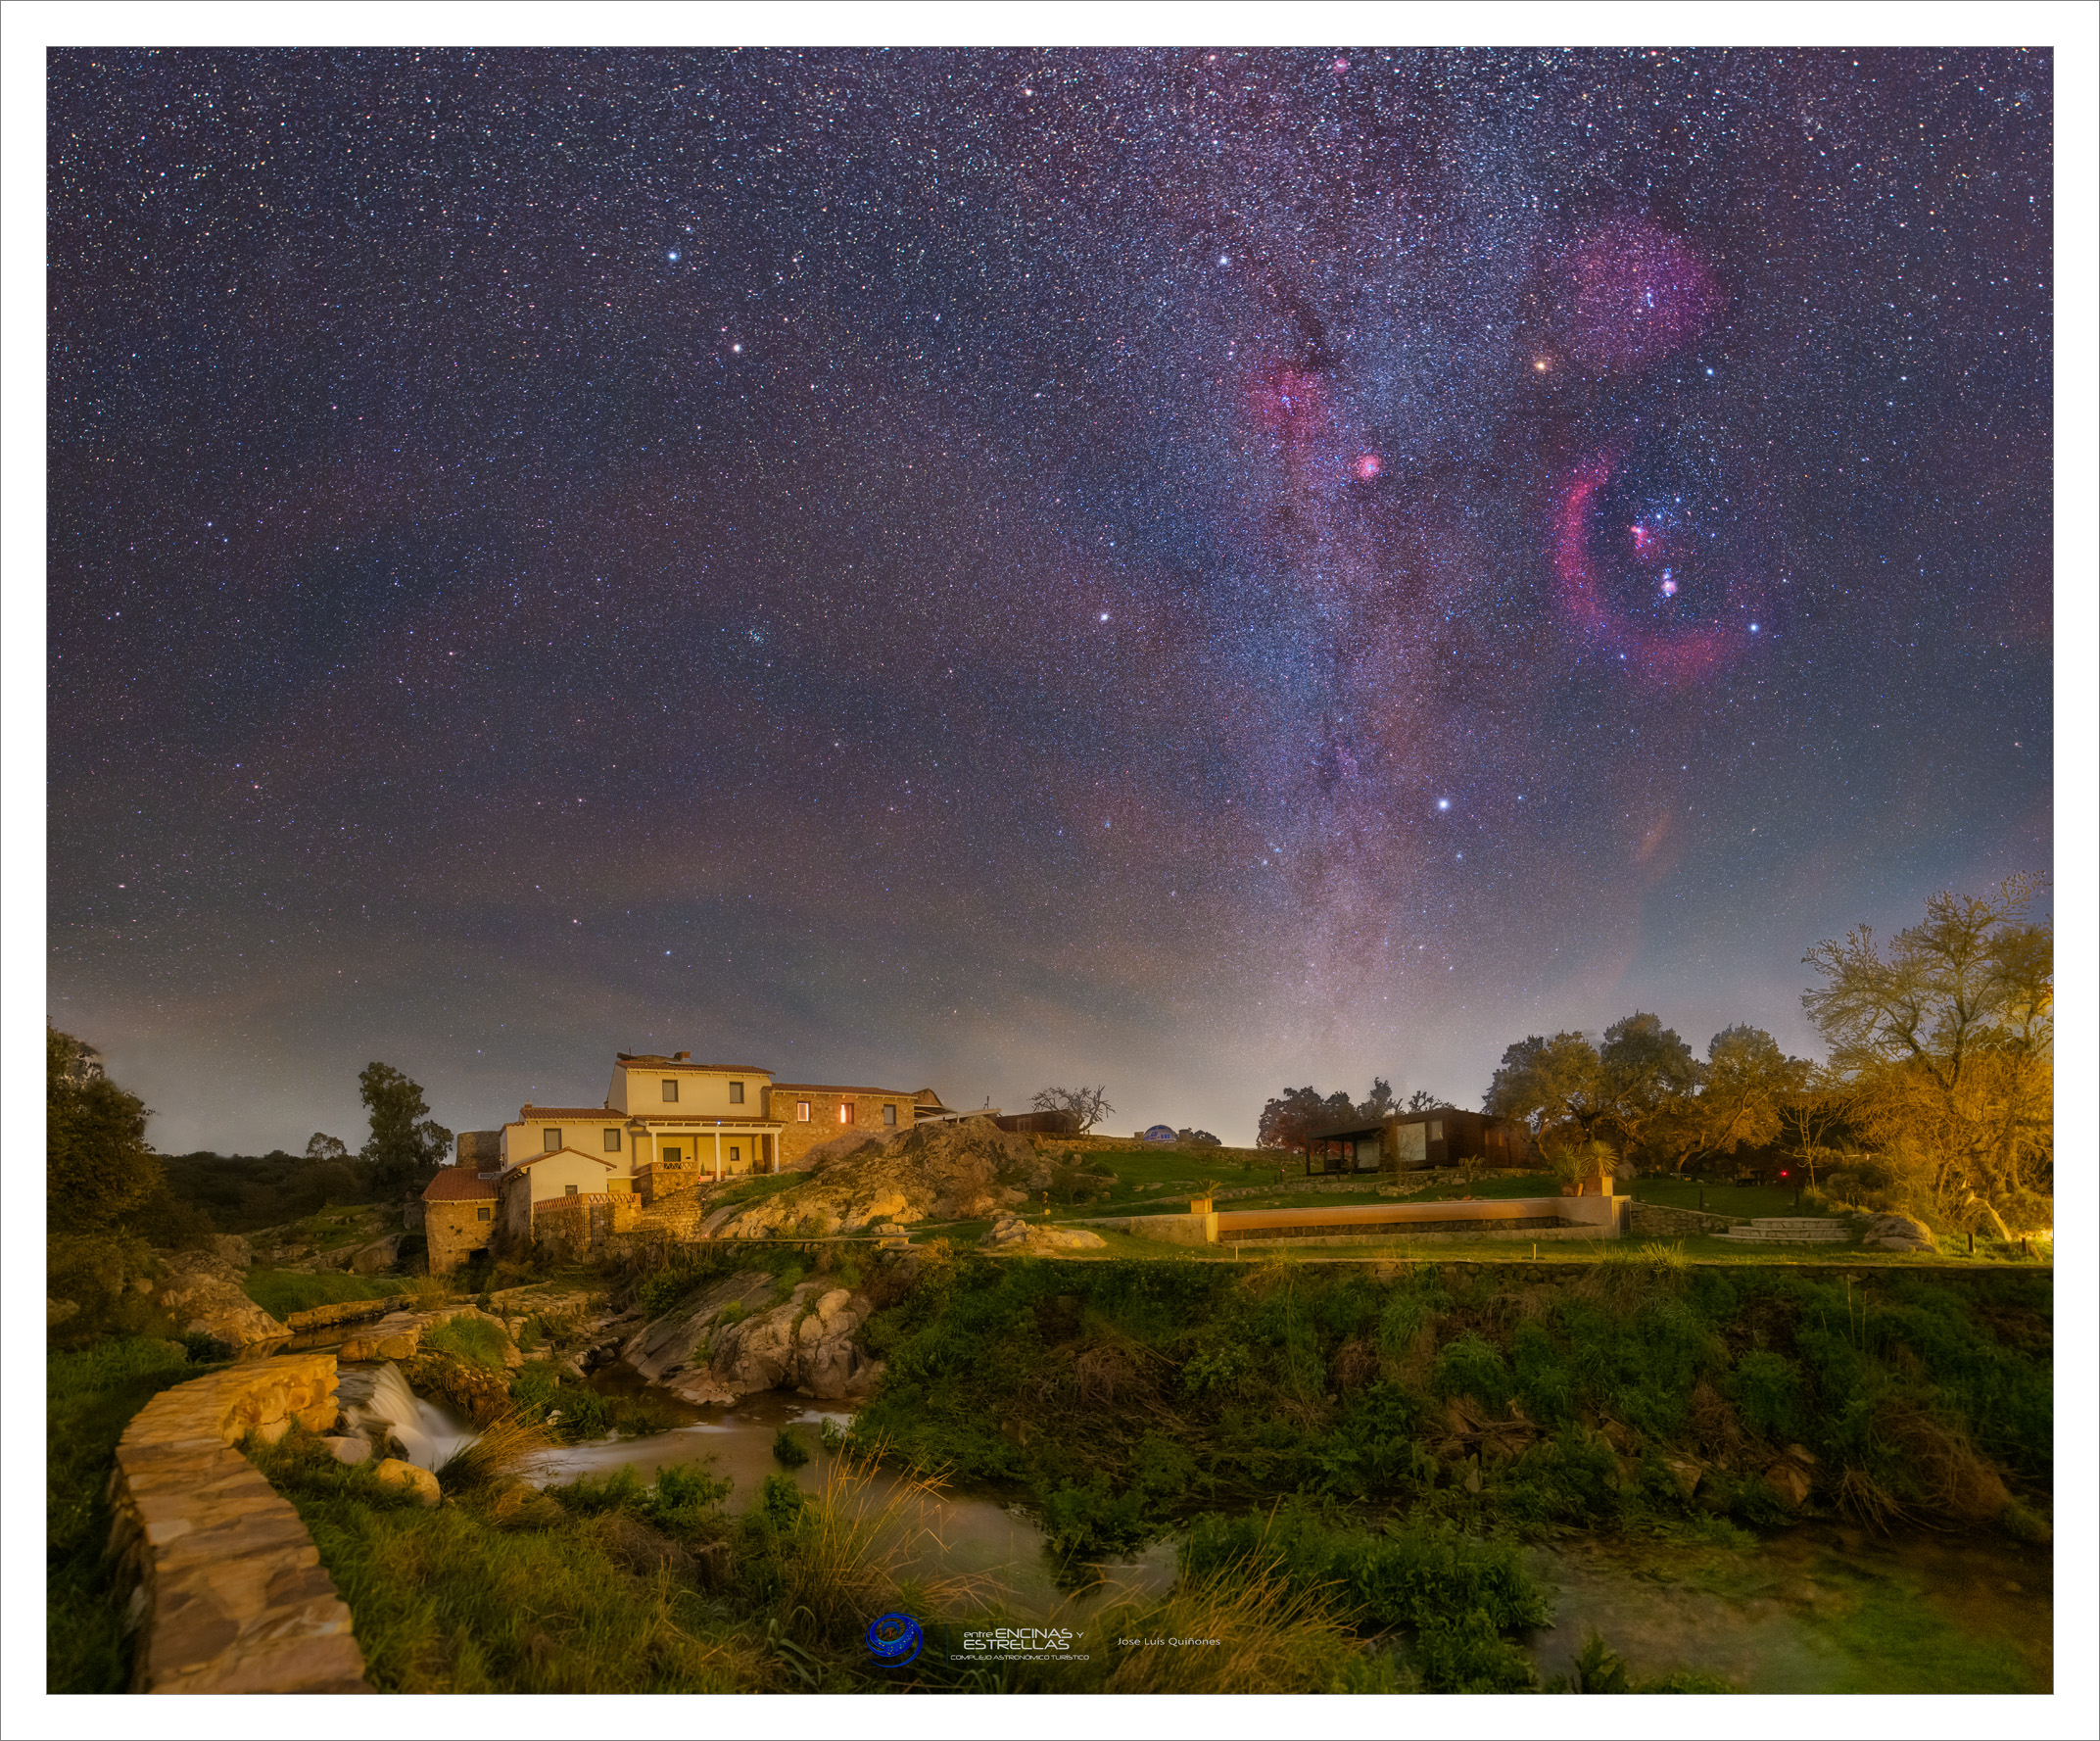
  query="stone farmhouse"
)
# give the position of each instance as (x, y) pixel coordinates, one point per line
(668, 1126)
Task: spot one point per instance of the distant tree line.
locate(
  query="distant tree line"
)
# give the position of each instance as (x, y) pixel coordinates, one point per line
(1935, 1095)
(1292, 1115)
(110, 1199)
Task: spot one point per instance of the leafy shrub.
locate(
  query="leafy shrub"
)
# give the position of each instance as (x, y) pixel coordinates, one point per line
(1462, 1653)
(663, 1291)
(1766, 1388)
(1470, 1366)
(1409, 1574)
(1224, 1372)
(779, 1501)
(1092, 1522)
(789, 1448)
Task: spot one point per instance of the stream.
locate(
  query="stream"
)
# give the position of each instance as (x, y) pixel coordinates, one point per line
(1819, 1609)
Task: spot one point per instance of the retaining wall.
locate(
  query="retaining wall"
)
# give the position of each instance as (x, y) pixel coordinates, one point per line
(1495, 1217)
(230, 1594)
(1655, 1218)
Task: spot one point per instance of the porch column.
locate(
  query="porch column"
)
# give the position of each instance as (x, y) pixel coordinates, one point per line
(718, 1154)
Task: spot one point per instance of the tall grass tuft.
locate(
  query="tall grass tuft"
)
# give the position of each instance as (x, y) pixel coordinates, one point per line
(1271, 1636)
(850, 1551)
(506, 1447)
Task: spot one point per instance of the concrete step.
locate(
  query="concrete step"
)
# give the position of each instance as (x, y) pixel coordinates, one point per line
(1793, 1231)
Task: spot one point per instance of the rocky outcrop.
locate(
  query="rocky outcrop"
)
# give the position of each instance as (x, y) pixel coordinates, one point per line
(227, 1585)
(804, 1343)
(947, 1171)
(203, 1290)
(1793, 1476)
(477, 1391)
(1898, 1233)
(379, 1256)
(398, 1334)
(342, 1312)
(1012, 1234)
(55, 1312)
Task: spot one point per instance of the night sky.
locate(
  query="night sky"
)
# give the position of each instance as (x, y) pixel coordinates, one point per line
(1193, 571)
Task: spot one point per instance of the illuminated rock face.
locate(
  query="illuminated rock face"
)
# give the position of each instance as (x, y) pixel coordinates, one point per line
(229, 1588)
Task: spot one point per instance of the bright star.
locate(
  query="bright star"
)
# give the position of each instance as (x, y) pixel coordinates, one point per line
(1443, 803)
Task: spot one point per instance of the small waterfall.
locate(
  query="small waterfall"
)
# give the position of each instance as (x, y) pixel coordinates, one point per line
(428, 1432)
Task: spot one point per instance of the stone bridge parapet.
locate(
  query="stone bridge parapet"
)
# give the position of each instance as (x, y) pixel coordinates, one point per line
(230, 1595)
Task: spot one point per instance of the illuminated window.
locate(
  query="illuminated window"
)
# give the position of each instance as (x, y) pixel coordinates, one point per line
(735, 1155)
(735, 1094)
(845, 1112)
(549, 1141)
(612, 1140)
(481, 1215)
(801, 1112)
(669, 1091)
(889, 1115)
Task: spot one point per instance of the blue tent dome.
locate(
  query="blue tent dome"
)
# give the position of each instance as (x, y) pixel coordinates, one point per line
(1161, 1133)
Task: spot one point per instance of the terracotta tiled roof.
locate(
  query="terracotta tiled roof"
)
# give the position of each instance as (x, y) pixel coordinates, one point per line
(455, 1185)
(613, 1115)
(533, 1160)
(822, 1088)
(702, 1121)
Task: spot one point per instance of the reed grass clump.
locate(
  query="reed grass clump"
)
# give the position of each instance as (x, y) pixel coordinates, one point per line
(504, 1450)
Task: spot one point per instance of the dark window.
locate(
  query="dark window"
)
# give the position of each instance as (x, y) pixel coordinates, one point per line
(481, 1215)
(674, 1156)
(889, 1115)
(735, 1155)
(550, 1140)
(669, 1091)
(568, 1191)
(735, 1094)
(612, 1140)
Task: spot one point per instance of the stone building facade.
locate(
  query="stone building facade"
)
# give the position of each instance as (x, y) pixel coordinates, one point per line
(458, 1217)
(810, 1113)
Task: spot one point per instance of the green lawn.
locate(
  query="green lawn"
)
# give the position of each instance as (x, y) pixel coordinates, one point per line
(280, 1292)
(1176, 1169)
(1751, 1200)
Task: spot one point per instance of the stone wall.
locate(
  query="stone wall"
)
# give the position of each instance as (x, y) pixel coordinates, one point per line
(228, 1589)
(1656, 1218)
(798, 1137)
(456, 1230)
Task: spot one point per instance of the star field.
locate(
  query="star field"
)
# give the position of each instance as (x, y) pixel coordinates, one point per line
(1193, 570)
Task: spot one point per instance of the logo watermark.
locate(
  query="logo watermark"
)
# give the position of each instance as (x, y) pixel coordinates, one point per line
(895, 1639)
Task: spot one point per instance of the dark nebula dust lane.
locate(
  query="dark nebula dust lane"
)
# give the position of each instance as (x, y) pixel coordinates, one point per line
(1193, 570)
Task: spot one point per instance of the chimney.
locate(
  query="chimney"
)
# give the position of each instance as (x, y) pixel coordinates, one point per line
(681, 1057)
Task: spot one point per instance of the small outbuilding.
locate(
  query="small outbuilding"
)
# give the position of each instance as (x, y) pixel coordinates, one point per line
(1161, 1133)
(1408, 1141)
(458, 1215)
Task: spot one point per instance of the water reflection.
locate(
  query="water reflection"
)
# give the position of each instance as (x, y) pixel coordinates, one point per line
(947, 1535)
